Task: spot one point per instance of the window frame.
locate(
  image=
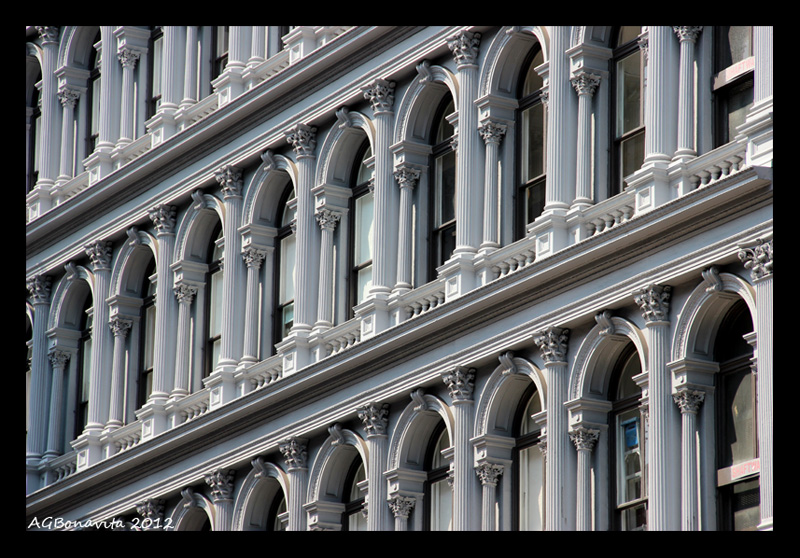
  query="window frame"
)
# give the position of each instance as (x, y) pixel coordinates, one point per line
(734, 76)
(434, 475)
(352, 506)
(522, 187)
(145, 374)
(619, 53)
(359, 190)
(524, 441)
(439, 150)
(95, 76)
(84, 367)
(284, 231)
(153, 96)
(215, 266)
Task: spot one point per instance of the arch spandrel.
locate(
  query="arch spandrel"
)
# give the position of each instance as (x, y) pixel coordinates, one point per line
(594, 362)
(703, 311)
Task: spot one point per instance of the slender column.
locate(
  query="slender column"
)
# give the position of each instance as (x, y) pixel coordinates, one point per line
(380, 94)
(128, 57)
(661, 96)
(375, 418)
(303, 140)
(762, 51)
(584, 439)
(253, 258)
(100, 255)
(401, 507)
(230, 180)
(559, 190)
(492, 134)
(689, 402)
(190, 75)
(757, 257)
(172, 69)
(407, 177)
(48, 142)
(489, 475)
(294, 452)
(662, 511)
(327, 219)
(58, 360)
(258, 46)
(461, 382)
(687, 35)
(585, 84)
(552, 342)
(163, 218)
(68, 97)
(119, 327)
(185, 295)
(238, 46)
(464, 47)
(109, 99)
(39, 288)
(221, 483)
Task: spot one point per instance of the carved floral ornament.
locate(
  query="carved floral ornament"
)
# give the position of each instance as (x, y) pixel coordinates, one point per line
(230, 180)
(492, 132)
(163, 217)
(489, 473)
(584, 438)
(464, 47)
(99, 254)
(461, 382)
(294, 452)
(328, 218)
(689, 400)
(401, 506)
(380, 94)
(39, 288)
(407, 176)
(757, 257)
(653, 301)
(302, 139)
(553, 342)
(585, 83)
(221, 483)
(375, 418)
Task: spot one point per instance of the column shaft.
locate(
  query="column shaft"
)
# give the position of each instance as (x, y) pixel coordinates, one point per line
(163, 218)
(119, 327)
(39, 288)
(560, 188)
(185, 295)
(230, 180)
(492, 133)
(253, 259)
(58, 360)
(688, 36)
(100, 255)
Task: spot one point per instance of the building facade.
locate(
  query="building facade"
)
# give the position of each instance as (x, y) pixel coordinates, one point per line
(399, 278)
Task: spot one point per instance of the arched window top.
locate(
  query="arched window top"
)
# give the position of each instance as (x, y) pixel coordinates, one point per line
(533, 406)
(627, 34)
(364, 173)
(628, 365)
(442, 443)
(289, 208)
(533, 82)
(443, 130)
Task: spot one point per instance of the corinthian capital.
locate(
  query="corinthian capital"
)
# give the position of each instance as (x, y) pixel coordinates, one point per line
(407, 176)
(294, 452)
(302, 139)
(49, 34)
(68, 96)
(552, 343)
(757, 257)
(230, 180)
(492, 132)
(464, 47)
(58, 359)
(327, 218)
(584, 438)
(163, 218)
(39, 288)
(489, 473)
(689, 400)
(380, 94)
(460, 381)
(221, 483)
(120, 326)
(374, 416)
(653, 300)
(128, 56)
(585, 83)
(99, 254)
(687, 32)
(401, 506)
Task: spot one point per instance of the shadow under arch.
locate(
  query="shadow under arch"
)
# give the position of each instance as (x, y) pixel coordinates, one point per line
(192, 512)
(263, 484)
(505, 57)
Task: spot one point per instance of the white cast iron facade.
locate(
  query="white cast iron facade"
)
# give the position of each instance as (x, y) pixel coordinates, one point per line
(324, 278)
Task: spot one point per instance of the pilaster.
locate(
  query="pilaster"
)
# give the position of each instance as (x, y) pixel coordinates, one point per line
(58, 361)
(585, 440)
(689, 402)
(39, 290)
(119, 327)
(185, 294)
(221, 483)
(375, 419)
(295, 454)
(461, 382)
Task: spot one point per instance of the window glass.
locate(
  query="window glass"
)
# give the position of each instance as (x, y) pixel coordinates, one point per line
(355, 518)
(214, 286)
(443, 237)
(441, 493)
(531, 473)
(364, 244)
(284, 312)
(532, 125)
(629, 99)
(84, 371)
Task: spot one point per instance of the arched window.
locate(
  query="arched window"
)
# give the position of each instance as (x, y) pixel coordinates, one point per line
(148, 334)
(278, 514)
(156, 54)
(214, 300)
(531, 144)
(285, 266)
(353, 519)
(362, 230)
(84, 367)
(438, 494)
(629, 467)
(733, 79)
(628, 67)
(443, 192)
(529, 465)
(93, 97)
(737, 444)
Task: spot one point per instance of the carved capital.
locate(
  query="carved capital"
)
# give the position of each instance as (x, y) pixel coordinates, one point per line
(163, 218)
(99, 254)
(253, 257)
(327, 218)
(464, 47)
(653, 300)
(230, 180)
(489, 473)
(128, 57)
(380, 94)
(584, 438)
(39, 288)
(68, 96)
(152, 509)
(492, 132)
(687, 32)
(303, 140)
(49, 34)
(460, 382)
(375, 417)
(407, 176)
(757, 257)
(221, 483)
(585, 83)
(553, 342)
(689, 400)
(294, 452)
(401, 506)
(120, 326)
(185, 293)
(58, 359)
